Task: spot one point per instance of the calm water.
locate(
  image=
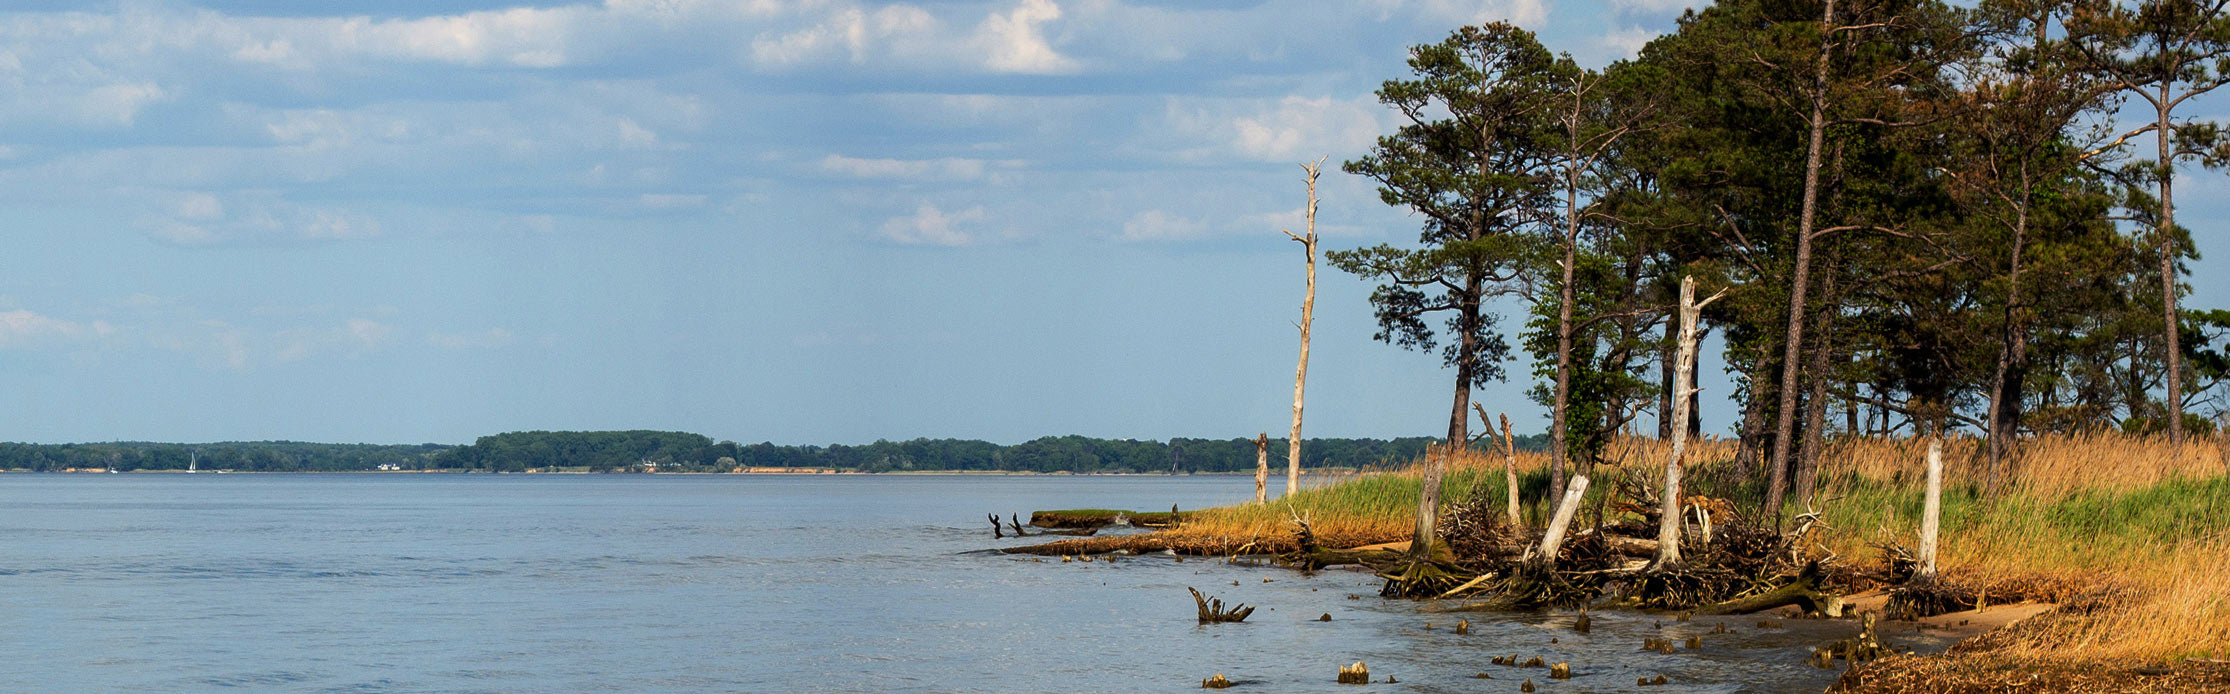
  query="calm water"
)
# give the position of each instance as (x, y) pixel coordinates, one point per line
(379, 583)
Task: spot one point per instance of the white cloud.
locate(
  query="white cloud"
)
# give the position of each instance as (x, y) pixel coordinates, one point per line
(1532, 14)
(850, 33)
(671, 201)
(21, 327)
(1656, 6)
(1014, 41)
(632, 134)
(943, 169)
(1291, 129)
(118, 103)
(355, 335)
(199, 219)
(491, 338)
(911, 38)
(931, 226)
(1155, 225)
(323, 224)
(1626, 42)
(200, 206)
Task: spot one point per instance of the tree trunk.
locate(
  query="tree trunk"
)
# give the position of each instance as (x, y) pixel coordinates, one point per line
(1262, 467)
(1695, 414)
(1308, 318)
(1785, 419)
(1559, 445)
(1428, 503)
(1665, 368)
(2005, 394)
(1932, 507)
(1750, 453)
(1552, 540)
(1815, 402)
(2171, 351)
(1510, 471)
(1668, 519)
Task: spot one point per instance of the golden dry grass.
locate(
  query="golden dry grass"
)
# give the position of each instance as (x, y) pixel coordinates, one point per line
(2073, 513)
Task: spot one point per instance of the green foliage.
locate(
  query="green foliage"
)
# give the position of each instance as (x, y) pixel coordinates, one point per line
(255, 456)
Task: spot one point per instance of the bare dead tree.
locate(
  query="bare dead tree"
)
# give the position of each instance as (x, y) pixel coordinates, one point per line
(1261, 467)
(1931, 513)
(1684, 396)
(1428, 501)
(1509, 461)
(1308, 317)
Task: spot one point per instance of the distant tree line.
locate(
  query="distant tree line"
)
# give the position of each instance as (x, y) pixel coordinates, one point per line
(621, 451)
(251, 456)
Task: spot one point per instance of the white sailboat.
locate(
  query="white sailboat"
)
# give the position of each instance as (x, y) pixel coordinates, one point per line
(192, 462)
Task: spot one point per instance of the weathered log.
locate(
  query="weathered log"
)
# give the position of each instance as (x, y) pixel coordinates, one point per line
(1803, 592)
(1317, 558)
(996, 533)
(1621, 544)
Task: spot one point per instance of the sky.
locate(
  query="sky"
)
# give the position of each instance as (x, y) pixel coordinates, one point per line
(805, 222)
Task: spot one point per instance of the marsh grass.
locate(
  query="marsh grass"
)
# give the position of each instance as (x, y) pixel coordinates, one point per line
(2141, 527)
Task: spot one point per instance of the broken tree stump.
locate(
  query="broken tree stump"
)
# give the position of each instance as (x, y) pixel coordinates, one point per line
(1212, 610)
(1355, 674)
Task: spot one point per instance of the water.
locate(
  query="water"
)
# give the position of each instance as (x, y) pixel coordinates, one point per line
(411, 583)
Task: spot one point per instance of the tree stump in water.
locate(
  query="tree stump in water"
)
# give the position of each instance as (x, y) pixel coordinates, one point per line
(1355, 674)
(1212, 610)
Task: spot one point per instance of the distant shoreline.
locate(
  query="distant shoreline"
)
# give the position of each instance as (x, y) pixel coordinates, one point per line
(789, 472)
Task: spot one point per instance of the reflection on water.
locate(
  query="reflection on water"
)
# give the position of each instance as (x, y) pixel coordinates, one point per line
(730, 583)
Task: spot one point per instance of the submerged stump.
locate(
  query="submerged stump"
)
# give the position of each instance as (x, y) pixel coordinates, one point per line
(1212, 610)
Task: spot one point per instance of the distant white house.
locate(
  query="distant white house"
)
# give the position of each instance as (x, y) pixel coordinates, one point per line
(389, 467)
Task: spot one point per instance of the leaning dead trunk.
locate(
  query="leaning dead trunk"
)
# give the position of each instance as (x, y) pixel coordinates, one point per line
(1931, 512)
(1308, 317)
(1552, 541)
(1668, 519)
(1261, 467)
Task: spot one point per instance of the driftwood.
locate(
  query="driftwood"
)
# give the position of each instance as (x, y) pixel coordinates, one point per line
(1212, 610)
(1803, 592)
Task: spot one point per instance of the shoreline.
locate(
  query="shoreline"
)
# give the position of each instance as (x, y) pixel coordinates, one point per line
(780, 471)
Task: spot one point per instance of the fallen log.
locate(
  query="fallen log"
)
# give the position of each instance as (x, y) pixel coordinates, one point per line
(1317, 558)
(1803, 592)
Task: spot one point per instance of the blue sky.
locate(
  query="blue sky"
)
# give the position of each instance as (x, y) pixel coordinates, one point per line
(805, 222)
